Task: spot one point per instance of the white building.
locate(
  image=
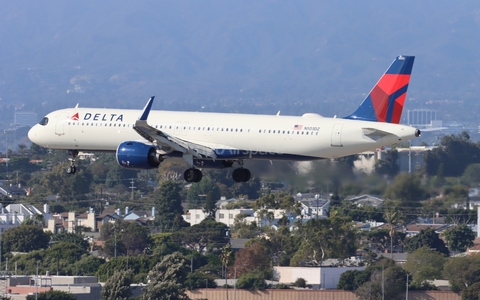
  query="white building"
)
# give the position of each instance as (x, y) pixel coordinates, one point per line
(14, 215)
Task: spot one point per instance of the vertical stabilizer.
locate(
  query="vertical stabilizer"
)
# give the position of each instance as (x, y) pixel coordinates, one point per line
(385, 101)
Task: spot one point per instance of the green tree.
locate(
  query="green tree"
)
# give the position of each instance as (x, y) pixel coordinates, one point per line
(472, 292)
(166, 279)
(393, 217)
(200, 190)
(198, 279)
(456, 152)
(394, 281)
(388, 165)
(426, 237)
(407, 189)
(380, 239)
(71, 238)
(52, 295)
(252, 281)
(118, 286)
(135, 237)
(471, 175)
(459, 238)
(462, 272)
(424, 264)
(206, 235)
(67, 187)
(334, 237)
(351, 280)
(24, 238)
(169, 207)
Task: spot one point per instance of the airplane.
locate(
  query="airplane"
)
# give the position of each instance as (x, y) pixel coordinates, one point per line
(142, 139)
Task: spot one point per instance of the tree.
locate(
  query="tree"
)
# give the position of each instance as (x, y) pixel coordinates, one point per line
(393, 218)
(134, 237)
(199, 279)
(472, 292)
(351, 280)
(24, 238)
(334, 237)
(166, 279)
(71, 238)
(424, 264)
(205, 236)
(471, 175)
(252, 281)
(205, 188)
(253, 258)
(456, 153)
(118, 286)
(52, 295)
(462, 272)
(459, 238)
(426, 237)
(169, 207)
(407, 189)
(67, 187)
(380, 239)
(388, 165)
(394, 281)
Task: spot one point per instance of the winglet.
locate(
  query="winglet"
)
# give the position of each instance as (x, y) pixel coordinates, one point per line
(146, 110)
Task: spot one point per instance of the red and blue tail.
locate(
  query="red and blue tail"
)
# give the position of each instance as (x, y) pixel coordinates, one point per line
(386, 99)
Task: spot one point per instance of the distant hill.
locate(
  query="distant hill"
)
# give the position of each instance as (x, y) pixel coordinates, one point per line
(245, 56)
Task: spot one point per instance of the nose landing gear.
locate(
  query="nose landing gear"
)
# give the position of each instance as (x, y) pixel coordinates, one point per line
(73, 154)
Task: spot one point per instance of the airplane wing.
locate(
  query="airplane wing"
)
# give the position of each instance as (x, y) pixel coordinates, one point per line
(167, 143)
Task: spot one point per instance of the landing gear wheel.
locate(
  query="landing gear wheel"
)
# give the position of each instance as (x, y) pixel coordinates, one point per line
(73, 154)
(241, 175)
(192, 175)
(71, 169)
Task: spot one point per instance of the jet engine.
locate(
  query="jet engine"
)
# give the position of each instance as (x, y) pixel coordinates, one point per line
(136, 155)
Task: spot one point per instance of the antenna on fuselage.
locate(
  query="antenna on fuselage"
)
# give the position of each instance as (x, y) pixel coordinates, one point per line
(76, 106)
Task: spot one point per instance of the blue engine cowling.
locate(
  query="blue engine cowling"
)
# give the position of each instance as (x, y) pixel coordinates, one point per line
(136, 155)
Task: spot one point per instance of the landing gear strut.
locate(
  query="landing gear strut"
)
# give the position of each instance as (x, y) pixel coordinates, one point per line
(192, 175)
(73, 154)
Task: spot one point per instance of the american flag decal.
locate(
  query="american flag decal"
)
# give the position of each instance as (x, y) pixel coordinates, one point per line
(297, 127)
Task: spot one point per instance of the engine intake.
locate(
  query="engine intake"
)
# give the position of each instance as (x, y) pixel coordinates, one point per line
(136, 155)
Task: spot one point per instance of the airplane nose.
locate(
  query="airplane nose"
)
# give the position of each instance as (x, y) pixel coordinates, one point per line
(32, 135)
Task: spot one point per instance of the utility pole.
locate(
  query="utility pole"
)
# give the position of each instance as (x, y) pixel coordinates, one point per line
(406, 295)
(132, 187)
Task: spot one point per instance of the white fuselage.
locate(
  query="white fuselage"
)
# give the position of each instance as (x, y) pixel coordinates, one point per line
(308, 137)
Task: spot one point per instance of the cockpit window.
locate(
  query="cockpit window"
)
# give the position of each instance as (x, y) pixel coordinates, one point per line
(44, 121)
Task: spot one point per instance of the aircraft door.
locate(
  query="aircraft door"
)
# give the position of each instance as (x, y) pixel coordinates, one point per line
(337, 135)
(62, 117)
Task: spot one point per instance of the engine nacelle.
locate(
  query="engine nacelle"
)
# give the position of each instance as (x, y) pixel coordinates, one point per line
(210, 164)
(136, 155)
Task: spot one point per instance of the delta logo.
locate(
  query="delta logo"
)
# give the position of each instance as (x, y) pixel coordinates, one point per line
(98, 117)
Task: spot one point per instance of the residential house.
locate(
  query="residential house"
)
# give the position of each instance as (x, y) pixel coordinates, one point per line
(15, 214)
(313, 206)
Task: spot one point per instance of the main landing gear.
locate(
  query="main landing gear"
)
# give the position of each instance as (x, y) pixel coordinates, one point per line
(73, 154)
(241, 175)
(192, 175)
